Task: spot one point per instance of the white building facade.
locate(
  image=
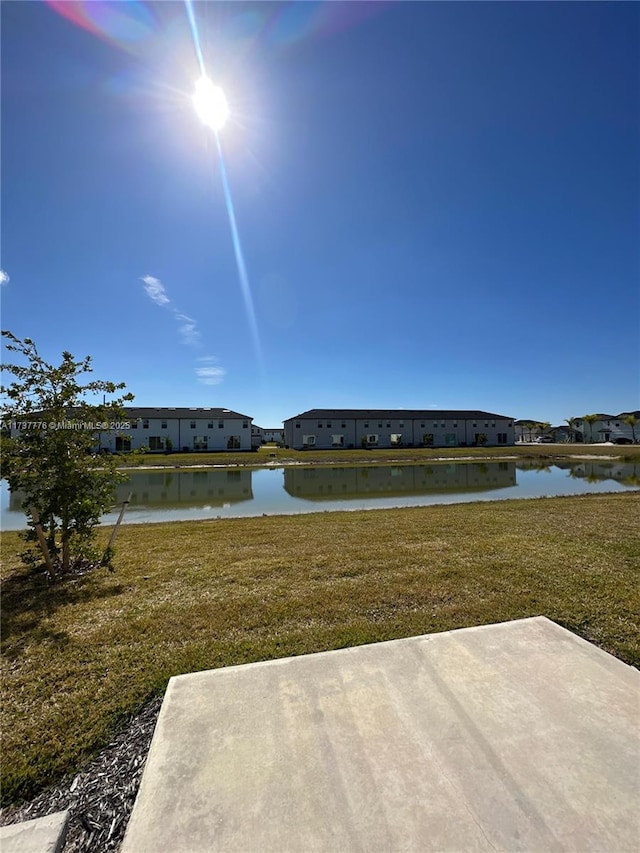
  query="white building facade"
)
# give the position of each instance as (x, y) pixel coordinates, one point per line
(350, 428)
(605, 428)
(609, 428)
(178, 429)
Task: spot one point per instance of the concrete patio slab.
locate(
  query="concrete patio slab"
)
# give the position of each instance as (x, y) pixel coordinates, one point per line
(42, 835)
(517, 736)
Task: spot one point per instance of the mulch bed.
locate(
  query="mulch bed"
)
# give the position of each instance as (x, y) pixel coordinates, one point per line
(101, 797)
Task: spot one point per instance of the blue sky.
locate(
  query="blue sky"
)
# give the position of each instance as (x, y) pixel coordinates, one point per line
(437, 203)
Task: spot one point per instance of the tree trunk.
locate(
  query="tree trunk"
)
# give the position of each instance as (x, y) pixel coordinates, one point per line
(43, 543)
(66, 557)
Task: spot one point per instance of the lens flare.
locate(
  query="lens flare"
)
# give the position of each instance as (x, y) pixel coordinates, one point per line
(213, 110)
(195, 35)
(242, 267)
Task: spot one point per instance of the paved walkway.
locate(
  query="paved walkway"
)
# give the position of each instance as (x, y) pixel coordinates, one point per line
(515, 737)
(42, 835)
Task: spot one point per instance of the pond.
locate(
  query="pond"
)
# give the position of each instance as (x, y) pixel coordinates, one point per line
(180, 494)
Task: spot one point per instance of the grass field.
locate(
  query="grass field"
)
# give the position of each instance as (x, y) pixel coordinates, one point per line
(81, 656)
(269, 454)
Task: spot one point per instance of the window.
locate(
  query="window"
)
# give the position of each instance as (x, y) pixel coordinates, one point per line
(486, 424)
(156, 442)
(421, 426)
(493, 423)
(328, 425)
(389, 425)
(134, 424)
(343, 426)
(401, 424)
(435, 425)
(443, 424)
(245, 424)
(163, 424)
(502, 438)
(396, 439)
(297, 426)
(474, 424)
(372, 439)
(145, 423)
(309, 440)
(210, 425)
(366, 426)
(455, 426)
(337, 441)
(450, 438)
(427, 439)
(200, 442)
(123, 443)
(233, 442)
(192, 424)
(220, 424)
(379, 424)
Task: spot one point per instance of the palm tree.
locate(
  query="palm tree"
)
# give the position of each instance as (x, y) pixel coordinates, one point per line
(543, 426)
(591, 420)
(572, 427)
(631, 420)
(529, 425)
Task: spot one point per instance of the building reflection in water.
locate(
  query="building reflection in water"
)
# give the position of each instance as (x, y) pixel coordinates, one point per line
(223, 487)
(182, 489)
(317, 484)
(597, 471)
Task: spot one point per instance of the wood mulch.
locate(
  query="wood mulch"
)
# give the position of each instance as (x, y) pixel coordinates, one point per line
(99, 798)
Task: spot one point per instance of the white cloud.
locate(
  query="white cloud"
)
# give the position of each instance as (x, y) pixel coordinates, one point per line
(4, 277)
(155, 290)
(188, 330)
(210, 375)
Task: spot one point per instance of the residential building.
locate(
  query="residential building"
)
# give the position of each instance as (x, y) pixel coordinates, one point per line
(526, 429)
(609, 428)
(335, 428)
(605, 428)
(264, 435)
(179, 429)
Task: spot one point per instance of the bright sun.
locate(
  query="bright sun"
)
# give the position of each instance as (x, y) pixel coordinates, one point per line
(210, 103)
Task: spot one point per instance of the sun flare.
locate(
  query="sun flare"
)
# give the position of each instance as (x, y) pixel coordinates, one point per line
(210, 103)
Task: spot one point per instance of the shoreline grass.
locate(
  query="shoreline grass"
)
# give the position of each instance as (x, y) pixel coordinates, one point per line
(80, 657)
(271, 455)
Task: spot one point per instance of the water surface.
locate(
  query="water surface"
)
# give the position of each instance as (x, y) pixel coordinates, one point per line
(230, 492)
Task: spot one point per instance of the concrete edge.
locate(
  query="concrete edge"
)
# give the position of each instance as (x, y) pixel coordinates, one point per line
(585, 645)
(41, 835)
(350, 649)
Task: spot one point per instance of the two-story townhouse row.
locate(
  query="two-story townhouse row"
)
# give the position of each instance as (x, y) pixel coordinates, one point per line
(335, 428)
(179, 429)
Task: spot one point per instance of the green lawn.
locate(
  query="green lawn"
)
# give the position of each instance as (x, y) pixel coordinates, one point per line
(269, 454)
(79, 657)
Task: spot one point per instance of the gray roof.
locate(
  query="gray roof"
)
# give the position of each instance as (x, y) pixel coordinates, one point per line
(168, 412)
(396, 414)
